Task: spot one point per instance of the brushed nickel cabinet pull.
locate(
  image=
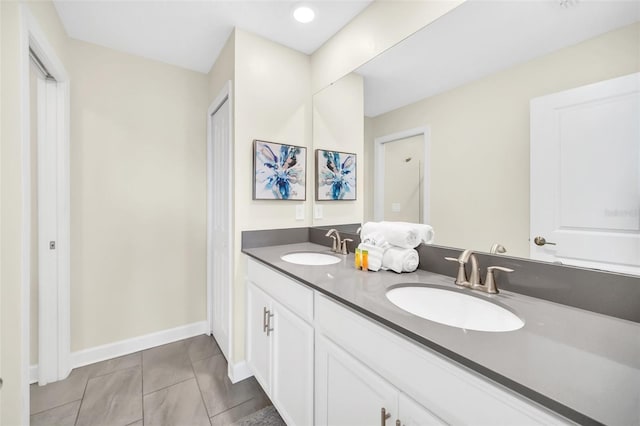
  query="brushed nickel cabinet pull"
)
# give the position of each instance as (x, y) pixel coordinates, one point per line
(265, 326)
(398, 423)
(384, 416)
(269, 316)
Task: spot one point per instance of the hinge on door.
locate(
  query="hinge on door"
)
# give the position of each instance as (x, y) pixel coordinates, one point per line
(52, 245)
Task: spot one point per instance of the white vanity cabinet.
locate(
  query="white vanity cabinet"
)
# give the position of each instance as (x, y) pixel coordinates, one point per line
(325, 364)
(391, 372)
(348, 393)
(280, 342)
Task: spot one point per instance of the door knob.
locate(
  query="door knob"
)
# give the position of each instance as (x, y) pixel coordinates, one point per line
(541, 241)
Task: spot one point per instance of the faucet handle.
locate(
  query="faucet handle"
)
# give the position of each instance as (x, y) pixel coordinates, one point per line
(490, 282)
(461, 279)
(344, 249)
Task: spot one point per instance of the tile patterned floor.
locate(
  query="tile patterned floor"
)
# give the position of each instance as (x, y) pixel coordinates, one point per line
(181, 383)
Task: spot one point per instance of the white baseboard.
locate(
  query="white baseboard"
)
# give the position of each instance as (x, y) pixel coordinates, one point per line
(239, 371)
(129, 346)
(33, 374)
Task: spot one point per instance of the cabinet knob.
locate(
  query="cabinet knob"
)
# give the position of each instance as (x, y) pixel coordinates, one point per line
(398, 423)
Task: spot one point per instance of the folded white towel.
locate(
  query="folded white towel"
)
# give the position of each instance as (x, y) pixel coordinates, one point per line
(400, 259)
(375, 239)
(401, 234)
(374, 256)
(425, 232)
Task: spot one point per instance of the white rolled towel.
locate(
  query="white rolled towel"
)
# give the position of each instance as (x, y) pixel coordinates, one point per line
(400, 259)
(401, 234)
(374, 256)
(376, 239)
(425, 232)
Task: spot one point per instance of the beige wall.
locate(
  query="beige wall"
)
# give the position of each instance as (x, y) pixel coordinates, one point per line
(338, 113)
(223, 69)
(480, 139)
(138, 168)
(272, 103)
(138, 196)
(377, 28)
(10, 217)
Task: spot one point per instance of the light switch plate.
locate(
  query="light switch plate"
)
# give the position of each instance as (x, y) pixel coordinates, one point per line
(299, 211)
(317, 211)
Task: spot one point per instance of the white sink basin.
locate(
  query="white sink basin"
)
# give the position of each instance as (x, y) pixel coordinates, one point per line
(454, 308)
(310, 258)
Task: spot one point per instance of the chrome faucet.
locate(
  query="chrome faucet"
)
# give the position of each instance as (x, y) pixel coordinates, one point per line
(474, 282)
(337, 243)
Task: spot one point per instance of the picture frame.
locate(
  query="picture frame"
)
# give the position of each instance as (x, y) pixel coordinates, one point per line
(279, 171)
(336, 175)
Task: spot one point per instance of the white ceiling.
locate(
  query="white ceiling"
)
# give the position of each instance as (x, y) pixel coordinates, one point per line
(191, 34)
(482, 37)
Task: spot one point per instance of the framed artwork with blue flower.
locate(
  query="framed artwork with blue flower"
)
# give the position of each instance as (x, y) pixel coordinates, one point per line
(335, 175)
(279, 171)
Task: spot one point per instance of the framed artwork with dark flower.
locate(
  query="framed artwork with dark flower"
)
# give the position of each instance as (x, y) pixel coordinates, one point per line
(279, 171)
(335, 175)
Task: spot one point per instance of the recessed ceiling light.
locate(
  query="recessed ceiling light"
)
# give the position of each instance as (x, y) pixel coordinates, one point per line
(304, 14)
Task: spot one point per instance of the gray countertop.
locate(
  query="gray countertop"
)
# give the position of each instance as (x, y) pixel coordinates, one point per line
(583, 365)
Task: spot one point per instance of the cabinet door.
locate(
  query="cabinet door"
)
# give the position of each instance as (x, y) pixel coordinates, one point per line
(292, 378)
(347, 392)
(258, 343)
(413, 414)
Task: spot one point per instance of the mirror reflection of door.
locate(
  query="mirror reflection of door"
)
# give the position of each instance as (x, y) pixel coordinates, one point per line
(404, 177)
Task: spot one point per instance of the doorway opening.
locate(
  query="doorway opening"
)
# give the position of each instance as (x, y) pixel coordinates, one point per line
(45, 211)
(405, 156)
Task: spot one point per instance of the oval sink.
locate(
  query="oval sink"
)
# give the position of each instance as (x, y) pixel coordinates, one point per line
(454, 308)
(310, 258)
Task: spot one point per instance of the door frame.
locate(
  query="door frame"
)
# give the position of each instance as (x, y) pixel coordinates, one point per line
(378, 180)
(32, 37)
(225, 95)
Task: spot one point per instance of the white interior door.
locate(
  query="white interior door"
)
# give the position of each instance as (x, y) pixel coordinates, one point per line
(585, 175)
(47, 232)
(219, 223)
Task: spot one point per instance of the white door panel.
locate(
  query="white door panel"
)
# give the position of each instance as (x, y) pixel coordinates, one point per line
(347, 392)
(585, 175)
(292, 384)
(220, 225)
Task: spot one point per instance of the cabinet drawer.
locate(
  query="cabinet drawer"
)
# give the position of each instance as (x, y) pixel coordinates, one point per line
(451, 391)
(286, 291)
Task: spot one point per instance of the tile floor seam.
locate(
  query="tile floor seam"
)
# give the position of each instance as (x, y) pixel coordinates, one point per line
(117, 369)
(199, 388)
(167, 387)
(231, 408)
(75, 423)
(54, 407)
(142, 384)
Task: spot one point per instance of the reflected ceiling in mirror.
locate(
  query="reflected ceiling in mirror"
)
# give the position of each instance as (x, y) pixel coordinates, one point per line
(480, 38)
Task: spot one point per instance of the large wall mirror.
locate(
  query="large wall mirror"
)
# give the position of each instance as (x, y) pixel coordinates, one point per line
(500, 103)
